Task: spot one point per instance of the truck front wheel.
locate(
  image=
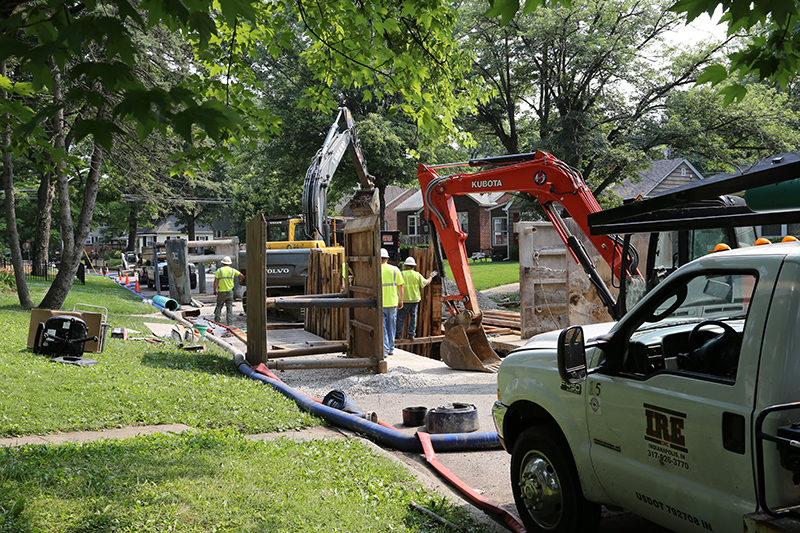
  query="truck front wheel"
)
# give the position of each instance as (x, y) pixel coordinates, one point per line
(546, 486)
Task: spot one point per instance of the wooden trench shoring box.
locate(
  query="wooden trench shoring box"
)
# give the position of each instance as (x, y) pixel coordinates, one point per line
(362, 298)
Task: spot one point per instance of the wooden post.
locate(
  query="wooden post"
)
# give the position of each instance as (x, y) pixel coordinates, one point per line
(362, 244)
(178, 267)
(257, 290)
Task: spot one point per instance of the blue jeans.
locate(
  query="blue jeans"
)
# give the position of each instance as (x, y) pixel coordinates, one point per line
(389, 322)
(409, 309)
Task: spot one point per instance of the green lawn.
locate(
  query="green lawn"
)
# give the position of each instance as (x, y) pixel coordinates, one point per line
(488, 274)
(211, 480)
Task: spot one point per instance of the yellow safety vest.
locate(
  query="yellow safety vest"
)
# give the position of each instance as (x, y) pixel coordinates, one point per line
(225, 276)
(390, 279)
(413, 283)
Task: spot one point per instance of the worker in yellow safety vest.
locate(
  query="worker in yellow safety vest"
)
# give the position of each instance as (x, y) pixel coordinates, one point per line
(413, 283)
(223, 289)
(392, 282)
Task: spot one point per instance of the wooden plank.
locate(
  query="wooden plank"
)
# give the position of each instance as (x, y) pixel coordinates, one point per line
(419, 340)
(365, 325)
(239, 334)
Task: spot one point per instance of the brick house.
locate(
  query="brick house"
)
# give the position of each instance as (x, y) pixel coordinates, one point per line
(485, 218)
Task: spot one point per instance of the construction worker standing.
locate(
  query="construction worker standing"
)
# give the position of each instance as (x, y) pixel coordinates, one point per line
(392, 282)
(223, 288)
(413, 283)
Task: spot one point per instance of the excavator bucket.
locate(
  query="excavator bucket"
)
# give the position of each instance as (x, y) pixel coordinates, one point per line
(465, 345)
(365, 202)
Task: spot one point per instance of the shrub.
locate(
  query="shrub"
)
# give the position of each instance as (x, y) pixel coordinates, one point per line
(7, 280)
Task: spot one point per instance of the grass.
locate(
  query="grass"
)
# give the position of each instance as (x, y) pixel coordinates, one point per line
(135, 383)
(212, 479)
(488, 274)
(209, 481)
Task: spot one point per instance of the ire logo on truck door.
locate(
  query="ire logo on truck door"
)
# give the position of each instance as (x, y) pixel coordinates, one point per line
(665, 427)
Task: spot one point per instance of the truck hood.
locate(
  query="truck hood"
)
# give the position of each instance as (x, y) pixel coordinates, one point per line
(549, 340)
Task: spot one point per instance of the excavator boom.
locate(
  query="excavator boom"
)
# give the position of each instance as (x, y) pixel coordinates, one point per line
(341, 137)
(553, 183)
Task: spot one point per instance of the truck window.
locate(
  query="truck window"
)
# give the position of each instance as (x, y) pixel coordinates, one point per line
(277, 233)
(703, 241)
(696, 328)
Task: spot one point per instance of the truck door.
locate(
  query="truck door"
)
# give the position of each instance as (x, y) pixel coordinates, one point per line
(669, 430)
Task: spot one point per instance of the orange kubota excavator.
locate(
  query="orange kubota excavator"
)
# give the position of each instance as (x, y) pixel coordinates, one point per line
(552, 182)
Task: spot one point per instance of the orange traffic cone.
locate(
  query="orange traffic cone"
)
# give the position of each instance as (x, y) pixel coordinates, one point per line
(137, 285)
(127, 281)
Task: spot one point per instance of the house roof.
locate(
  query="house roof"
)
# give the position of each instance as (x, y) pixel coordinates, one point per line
(393, 193)
(414, 202)
(651, 178)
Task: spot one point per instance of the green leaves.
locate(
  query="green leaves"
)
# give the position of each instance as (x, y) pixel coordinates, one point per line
(713, 74)
(102, 131)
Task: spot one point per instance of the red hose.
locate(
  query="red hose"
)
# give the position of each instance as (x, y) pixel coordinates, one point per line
(511, 521)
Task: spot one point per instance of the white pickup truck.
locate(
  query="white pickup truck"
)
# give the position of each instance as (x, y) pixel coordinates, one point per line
(681, 412)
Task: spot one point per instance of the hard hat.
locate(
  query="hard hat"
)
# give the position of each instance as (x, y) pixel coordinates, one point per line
(410, 262)
(789, 238)
(762, 240)
(721, 247)
(226, 260)
(384, 253)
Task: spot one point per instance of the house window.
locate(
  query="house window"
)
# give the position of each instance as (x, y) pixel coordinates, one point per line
(463, 221)
(499, 231)
(413, 225)
(683, 171)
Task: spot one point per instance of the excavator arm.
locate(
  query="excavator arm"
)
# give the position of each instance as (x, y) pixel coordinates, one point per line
(341, 137)
(553, 183)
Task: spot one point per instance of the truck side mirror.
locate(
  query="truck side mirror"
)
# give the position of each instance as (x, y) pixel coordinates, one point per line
(572, 355)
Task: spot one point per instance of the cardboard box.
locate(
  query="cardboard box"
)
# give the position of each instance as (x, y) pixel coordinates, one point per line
(94, 323)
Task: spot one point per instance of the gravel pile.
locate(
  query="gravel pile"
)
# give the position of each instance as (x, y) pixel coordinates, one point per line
(358, 383)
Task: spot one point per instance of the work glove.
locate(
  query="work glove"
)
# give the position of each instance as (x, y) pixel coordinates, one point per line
(434, 273)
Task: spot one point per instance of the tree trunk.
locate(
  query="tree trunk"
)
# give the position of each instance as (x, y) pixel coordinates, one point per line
(45, 197)
(382, 197)
(133, 226)
(11, 215)
(190, 227)
(71, 237)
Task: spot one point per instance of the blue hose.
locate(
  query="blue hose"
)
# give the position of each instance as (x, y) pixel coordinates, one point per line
(404, 442)
(157, 306)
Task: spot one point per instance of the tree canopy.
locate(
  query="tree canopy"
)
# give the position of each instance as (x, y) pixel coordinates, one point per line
(75, 67)
(578, 81)
(772, 52)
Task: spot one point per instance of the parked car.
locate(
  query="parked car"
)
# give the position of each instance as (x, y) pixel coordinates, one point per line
(147, 275)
